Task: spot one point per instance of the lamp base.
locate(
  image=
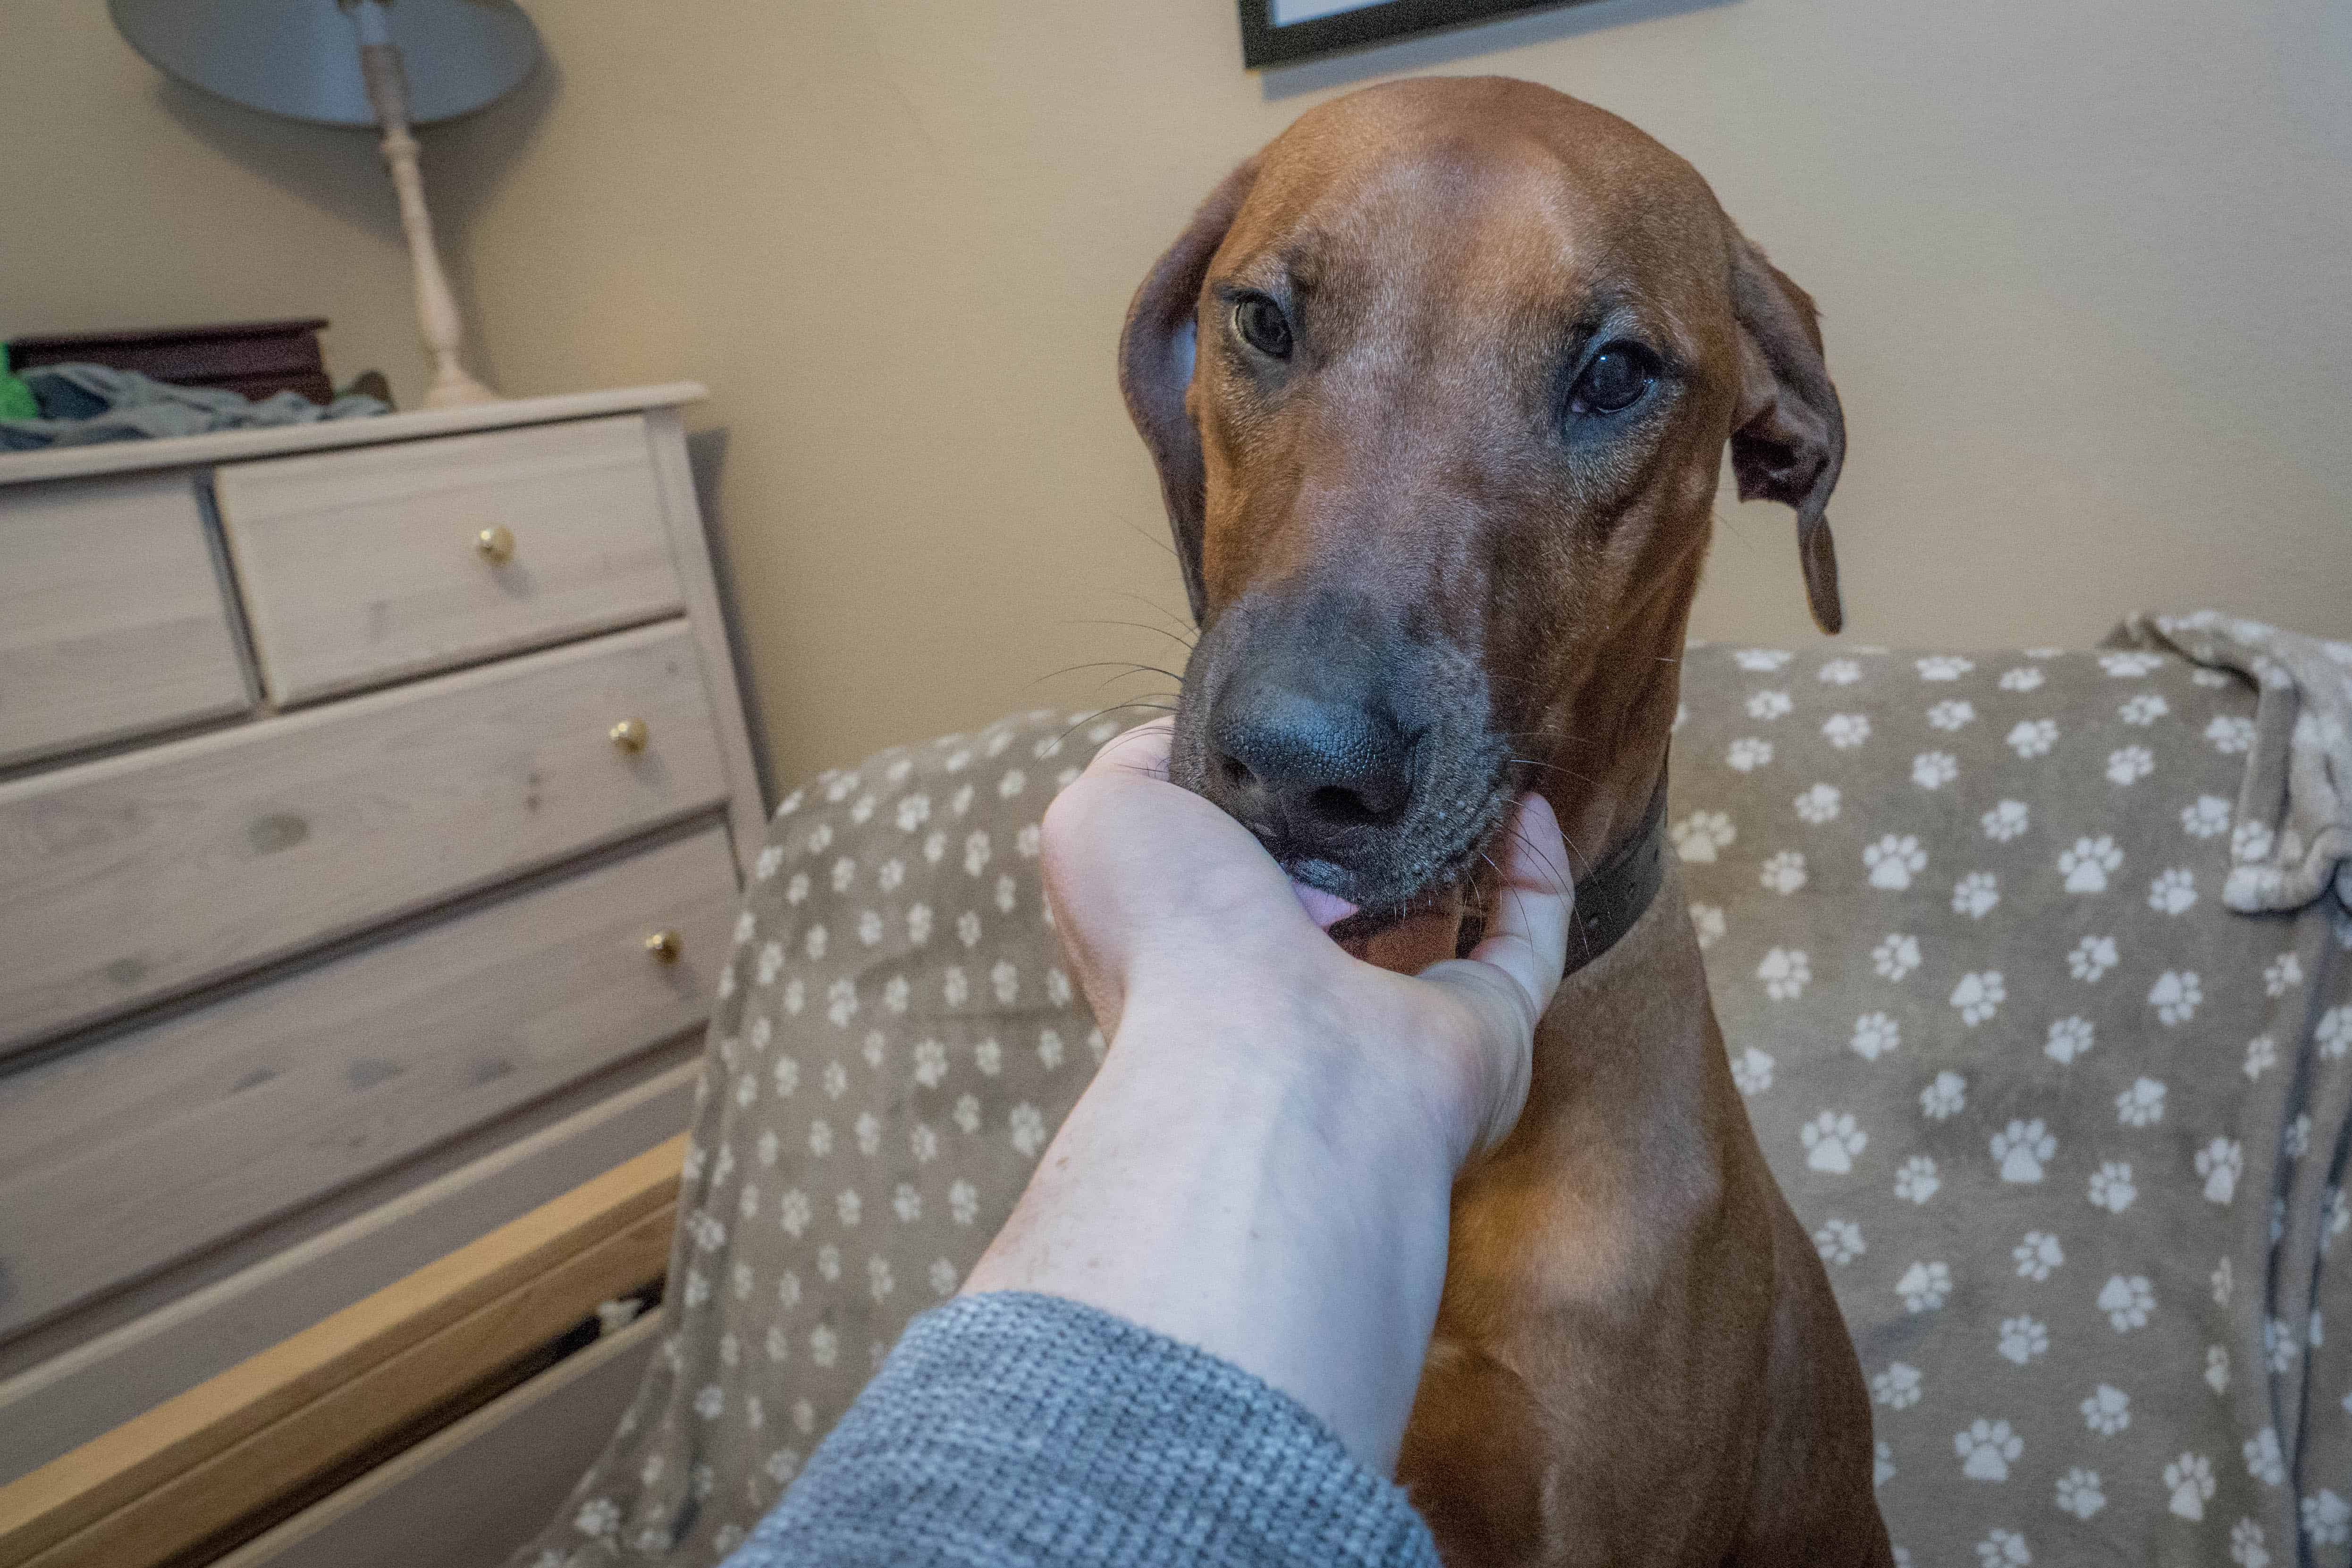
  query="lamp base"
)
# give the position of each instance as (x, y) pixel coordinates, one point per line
(455, 390)
(436, 312)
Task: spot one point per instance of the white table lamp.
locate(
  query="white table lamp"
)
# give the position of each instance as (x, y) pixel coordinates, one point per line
(391, 63)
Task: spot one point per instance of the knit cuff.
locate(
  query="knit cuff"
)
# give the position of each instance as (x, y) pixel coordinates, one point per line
(1015, 1428)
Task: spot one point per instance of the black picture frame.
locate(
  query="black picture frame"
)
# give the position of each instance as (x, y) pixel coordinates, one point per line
(1263, 44)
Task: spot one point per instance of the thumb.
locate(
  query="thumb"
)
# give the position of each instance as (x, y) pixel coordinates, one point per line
(1511, 977)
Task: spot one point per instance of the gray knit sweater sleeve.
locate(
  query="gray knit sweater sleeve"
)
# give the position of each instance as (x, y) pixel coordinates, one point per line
(1011, 1428)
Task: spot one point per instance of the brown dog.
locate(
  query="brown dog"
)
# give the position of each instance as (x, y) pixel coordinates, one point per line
(1438, 385)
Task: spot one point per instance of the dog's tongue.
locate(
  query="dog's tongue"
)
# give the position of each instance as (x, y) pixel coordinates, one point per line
(1326, 910)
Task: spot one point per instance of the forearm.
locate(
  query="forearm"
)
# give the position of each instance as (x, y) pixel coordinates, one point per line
(1191, 1192)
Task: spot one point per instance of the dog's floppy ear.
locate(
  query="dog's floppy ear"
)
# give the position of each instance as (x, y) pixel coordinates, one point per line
(1156, 350)
(1788, 439)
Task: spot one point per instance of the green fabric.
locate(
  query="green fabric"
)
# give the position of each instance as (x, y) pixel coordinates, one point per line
(16, 398)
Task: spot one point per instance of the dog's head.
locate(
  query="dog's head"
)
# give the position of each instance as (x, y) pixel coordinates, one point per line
(1439, 385)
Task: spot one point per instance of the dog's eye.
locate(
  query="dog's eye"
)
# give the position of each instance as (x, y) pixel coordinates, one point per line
(1261, 325)
(1614, 381)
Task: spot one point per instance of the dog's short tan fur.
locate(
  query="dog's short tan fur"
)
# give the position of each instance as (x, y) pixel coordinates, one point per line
(1637, 1359)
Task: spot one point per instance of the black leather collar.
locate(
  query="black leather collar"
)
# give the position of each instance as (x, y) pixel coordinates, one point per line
(1615, 893)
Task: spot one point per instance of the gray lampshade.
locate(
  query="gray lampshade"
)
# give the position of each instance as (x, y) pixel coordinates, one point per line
(301, 58)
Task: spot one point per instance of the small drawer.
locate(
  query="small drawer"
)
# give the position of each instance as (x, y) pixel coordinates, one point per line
(136, 877)
(112, 622)
(366, 565)
(159, 1143)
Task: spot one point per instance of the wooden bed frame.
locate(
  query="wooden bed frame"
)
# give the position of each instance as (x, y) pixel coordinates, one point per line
(202, 1474)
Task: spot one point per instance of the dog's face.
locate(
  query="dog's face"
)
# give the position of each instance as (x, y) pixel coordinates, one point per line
(1439, 385)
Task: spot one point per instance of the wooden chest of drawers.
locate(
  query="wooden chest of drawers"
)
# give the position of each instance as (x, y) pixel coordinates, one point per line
(374, 799)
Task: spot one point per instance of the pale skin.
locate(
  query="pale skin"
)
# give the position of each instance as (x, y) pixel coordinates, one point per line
(1262, 1166)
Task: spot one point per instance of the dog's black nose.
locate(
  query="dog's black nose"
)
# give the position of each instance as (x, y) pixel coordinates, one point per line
(1307, 769)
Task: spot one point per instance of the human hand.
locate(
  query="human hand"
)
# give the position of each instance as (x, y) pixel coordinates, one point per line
(1167, 905)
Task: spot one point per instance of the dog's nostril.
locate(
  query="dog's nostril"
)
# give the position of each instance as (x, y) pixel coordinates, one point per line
(1237, 773)
(1343, 807)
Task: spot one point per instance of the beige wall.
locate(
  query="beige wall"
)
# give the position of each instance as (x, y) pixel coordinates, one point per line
(2085, 270)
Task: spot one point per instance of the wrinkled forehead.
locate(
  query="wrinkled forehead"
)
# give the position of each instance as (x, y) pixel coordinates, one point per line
(1555, 210)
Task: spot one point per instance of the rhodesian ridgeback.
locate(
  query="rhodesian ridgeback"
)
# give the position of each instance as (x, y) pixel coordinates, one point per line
(1438, 385)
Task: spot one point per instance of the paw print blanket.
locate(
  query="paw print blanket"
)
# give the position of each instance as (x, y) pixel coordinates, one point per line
(2035, 969)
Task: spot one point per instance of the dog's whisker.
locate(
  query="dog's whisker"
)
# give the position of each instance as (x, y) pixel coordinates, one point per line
(1554, 767)
(1182, 642)
(1183, 623)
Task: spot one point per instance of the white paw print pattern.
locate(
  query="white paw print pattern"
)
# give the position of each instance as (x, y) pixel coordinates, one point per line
(2006, 820)
(1820, 803)
(1975, 895)
(2091, 958)
(2079, 1493)
(1700, 836)
(1945, 1097)
(1924, 1286)
(1785, 973)
(2037, 1256)
(2189, 1480)
(1839, 1242)
(2088, 862)
(2175, 996)
(1784, 872)
(2022, 1148)
(1979, 996)
(1917, 1181)
(2022, 1340)
(1874, 1035)
(2111, 1187)
(2174, 891)
(1896, 956)
(1893, 859)
(1934, 770)
(2107, 1411)
(2034, 737)
(2207, 816)
(2069, 1037)
(1987, 1449)
(2127, 1302)
(1831, 1140)
(2141, 1104)
(2003, 1548)
(1846, 731)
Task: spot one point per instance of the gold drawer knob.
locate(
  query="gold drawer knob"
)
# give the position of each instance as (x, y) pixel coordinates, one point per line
(495, 545)
(665, 946)
(629, 734)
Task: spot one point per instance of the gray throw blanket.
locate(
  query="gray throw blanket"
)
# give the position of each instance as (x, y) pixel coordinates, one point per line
(81, 404)
(2035, 969)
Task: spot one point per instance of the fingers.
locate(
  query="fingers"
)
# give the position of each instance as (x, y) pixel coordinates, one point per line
(1509, 978)
(1527, 922)
(1142, 749)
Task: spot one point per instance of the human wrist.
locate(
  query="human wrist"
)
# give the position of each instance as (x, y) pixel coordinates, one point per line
(1405, 1077)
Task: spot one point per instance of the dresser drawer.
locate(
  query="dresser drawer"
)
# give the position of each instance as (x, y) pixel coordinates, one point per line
(120, 1159)
(132, 878)
(362, 566)
(112, 618)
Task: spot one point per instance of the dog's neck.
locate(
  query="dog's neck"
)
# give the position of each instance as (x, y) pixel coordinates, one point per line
(1616, 891)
